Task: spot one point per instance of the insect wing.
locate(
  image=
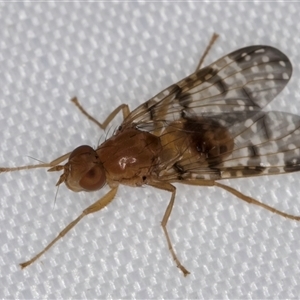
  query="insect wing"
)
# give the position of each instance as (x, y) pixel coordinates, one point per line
(264, 143)
(269, 144)
(244, 80)
(230, 92)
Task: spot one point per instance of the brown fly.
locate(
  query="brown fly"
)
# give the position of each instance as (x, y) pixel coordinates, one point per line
(207, 127)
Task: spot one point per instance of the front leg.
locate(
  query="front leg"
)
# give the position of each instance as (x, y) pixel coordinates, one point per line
(98, 205)
(123, 107)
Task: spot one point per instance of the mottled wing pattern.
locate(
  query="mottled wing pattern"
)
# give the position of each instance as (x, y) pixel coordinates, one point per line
(246, 79)
(231, 93)
(269, 145)
(265, 143)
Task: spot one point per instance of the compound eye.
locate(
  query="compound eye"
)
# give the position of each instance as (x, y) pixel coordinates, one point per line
(94, 179)
(86, 170)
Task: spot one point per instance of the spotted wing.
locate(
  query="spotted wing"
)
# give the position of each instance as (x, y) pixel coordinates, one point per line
(264, 143)
(244, 80)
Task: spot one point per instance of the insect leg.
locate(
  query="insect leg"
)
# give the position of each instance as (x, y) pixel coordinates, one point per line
(123, 107)
(211, 42)
(98, 205)
(170, 188)
(253, 201)
(53, 165)
(42, 165)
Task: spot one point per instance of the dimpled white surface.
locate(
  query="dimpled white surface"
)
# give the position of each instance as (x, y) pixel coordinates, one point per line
(112, 53)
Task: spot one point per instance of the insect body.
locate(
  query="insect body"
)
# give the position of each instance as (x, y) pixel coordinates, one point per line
(207, 127)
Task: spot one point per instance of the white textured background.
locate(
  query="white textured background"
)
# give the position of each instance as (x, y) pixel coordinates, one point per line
(113, 53)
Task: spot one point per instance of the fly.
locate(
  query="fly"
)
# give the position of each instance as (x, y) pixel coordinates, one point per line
(207, 127)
